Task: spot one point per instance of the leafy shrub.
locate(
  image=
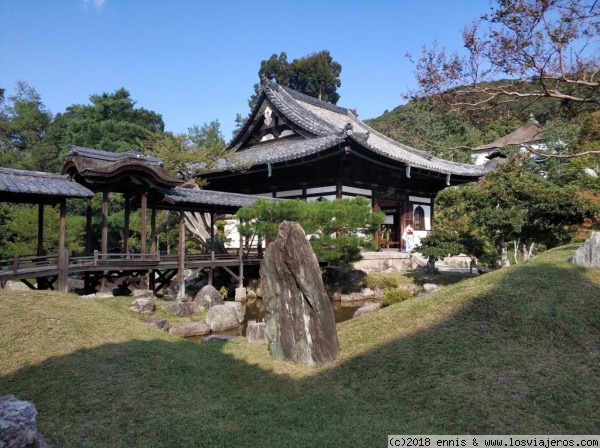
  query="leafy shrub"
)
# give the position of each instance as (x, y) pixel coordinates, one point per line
(381, 281)
(395, 295)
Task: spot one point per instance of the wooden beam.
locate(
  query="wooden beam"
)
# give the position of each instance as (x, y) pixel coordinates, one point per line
(144, 207)
(88, 227)
(126, 224)
(181, 258)
(153, 247)
(212, 247)
(104, 247)
(63, 254)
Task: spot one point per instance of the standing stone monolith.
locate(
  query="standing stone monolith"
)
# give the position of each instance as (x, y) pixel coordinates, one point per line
(589, 254)
(299, 320)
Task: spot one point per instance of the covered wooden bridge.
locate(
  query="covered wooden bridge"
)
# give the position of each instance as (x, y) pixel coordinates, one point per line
(144, 184)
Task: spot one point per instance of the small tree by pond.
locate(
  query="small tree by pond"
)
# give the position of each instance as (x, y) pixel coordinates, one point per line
(338, 229)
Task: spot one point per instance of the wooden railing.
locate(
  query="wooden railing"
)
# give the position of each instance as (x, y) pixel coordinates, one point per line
(19, 263)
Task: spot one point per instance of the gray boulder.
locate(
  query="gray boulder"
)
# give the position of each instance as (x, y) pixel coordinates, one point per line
(187, 329)
(182, 308)
(299, 319)
(16, 285)
(161, 324)
(255, 332)
(367, 308)
(240, 309)
(428, 288)
(17, 424)
(222, 317)
(143, 305)
(208, 297)
(588, 255)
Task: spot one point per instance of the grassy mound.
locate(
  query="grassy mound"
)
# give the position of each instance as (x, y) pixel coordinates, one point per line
(515, 351)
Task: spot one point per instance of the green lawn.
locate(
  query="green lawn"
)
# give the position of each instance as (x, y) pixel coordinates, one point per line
(514, 351)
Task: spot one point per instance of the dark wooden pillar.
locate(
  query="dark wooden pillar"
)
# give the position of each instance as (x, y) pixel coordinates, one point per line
(88, 227)
(126, 224)
(211, 248)
(63, 255)
(40, 232)
(181, 259)
(144, 207)
(338, 190)
(241, 260)
(104, 247)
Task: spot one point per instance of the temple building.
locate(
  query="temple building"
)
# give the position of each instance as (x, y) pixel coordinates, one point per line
(296, 146)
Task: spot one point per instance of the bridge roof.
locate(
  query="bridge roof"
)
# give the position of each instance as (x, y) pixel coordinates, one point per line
(37, 187)
(195, 199)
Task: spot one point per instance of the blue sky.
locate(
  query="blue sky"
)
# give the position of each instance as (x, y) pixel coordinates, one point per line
(194, 61)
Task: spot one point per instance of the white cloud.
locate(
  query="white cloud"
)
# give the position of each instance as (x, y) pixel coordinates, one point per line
(96, 4)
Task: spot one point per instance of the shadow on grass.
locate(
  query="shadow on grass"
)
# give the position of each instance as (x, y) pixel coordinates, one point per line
(512, 359)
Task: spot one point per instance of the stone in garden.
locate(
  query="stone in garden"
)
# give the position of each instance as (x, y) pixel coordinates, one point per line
(208, 297)
(240, 309)
(428, 288)
(182, 308)
(240, 294)
(255, 332)
(187, 329)
(367, 308)
(143, 293)
(299, 320)
(222, 317)
(15, 285)
(17, 424)
(250, 294)
(145, 306)
(588, 255)
(104, 295)
(160, 323)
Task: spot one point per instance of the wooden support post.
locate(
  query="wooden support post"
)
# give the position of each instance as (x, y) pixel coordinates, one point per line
(63, 270)
(181, 264)
(40, 234)
(126, 224)
(143, 212)
(241, 258)
(104, 247)
(212, 248)
(63, 254)
(88, 227)
(144, 207)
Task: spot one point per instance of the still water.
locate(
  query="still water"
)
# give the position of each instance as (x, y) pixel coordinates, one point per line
(255, 311)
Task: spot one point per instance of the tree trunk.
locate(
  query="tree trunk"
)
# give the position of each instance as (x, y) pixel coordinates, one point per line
(431, 269)
(504, 262)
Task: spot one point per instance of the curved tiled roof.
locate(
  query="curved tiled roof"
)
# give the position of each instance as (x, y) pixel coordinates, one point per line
(331, 125)
(94, 165)
(199, 197)
(277, 151)
(38, 184)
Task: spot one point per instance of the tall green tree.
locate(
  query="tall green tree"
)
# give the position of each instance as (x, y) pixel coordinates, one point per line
(24, 121)
(315, 74)
(112, 122)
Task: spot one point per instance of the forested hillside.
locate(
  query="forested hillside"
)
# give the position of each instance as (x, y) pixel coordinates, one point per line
(422, 125)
